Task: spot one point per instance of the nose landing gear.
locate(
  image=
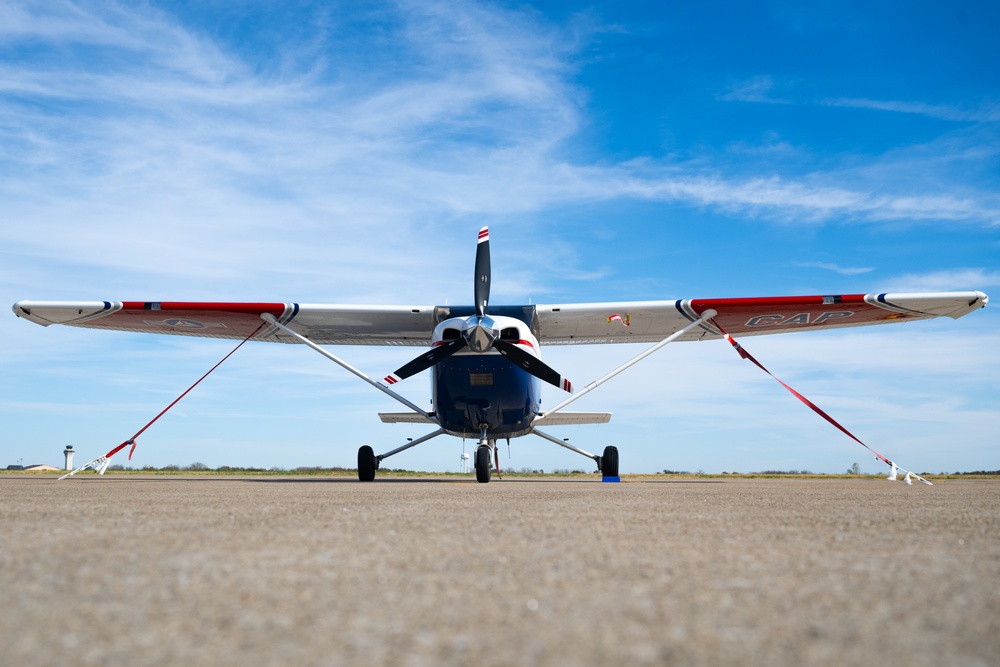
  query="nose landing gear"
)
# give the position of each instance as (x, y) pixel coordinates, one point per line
(484, 463)
(484, 454)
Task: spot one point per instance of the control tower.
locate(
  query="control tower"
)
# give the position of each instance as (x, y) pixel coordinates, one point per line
(69, 457)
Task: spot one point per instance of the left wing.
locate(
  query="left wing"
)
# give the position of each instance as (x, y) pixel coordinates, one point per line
(322, 324)
(652, 321)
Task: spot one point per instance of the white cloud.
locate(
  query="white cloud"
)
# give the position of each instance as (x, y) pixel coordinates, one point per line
(176, 144)
(758, 89)
(987, 113)
(949, 280)
(836, 268)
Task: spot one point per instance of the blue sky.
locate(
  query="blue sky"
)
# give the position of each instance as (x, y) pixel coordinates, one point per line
(322, 153)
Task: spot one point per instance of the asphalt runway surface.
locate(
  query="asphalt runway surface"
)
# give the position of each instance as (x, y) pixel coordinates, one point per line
(161, 570)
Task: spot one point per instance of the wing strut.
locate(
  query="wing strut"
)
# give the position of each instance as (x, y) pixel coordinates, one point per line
(563, 443)
(270, 319)
(815, 408)
(707, 315)
(101, 464)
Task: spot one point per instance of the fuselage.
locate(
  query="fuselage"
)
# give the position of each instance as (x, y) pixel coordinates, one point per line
(472, 391)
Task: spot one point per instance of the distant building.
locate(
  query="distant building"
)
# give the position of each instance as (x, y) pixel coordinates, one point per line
(68, 452)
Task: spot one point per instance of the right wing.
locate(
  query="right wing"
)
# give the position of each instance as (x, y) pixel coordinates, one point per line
(652, 321)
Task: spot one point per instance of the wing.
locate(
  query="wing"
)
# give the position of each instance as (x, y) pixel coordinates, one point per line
(652, 321)
(636, 321)
(323, 324)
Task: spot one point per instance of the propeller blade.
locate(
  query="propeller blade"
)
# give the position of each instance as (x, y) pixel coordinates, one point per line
(426, 360)
(532, 364)
(482, 291)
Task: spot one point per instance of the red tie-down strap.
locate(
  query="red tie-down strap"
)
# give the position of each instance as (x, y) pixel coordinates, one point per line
(496, 457)
(101, 464)
(815, 408)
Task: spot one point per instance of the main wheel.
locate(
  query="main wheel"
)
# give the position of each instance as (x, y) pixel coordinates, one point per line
(366, 464)
(483, 465)
(609, 462)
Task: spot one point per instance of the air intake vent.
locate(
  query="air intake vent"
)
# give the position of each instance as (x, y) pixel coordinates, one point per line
(481, 379)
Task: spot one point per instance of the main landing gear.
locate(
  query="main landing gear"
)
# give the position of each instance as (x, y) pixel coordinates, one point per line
(368, 462)
(608, 464)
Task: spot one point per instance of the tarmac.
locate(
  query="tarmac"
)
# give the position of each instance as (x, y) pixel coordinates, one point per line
(163, 570)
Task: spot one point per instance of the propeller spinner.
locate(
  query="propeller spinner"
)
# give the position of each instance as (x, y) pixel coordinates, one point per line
(481, 333)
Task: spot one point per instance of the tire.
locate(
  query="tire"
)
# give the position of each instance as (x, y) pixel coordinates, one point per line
(366, 464)
(483, 465)
(609, 462)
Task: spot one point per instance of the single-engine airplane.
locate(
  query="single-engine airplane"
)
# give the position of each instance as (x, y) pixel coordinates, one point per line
(485, 361)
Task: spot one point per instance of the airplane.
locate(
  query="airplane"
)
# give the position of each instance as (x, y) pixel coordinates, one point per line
(485, 362)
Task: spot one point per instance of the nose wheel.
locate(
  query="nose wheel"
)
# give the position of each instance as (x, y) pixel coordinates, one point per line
(483, 462)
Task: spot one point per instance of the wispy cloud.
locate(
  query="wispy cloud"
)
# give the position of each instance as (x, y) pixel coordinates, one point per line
(173, 155)
(836, 268)
(986, 113)
(759, 89)
(805, 201)
(955, 279)
(767, 89)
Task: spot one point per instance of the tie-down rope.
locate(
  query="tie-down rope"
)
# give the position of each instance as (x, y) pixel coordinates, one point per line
(101, 464)
(815, 408)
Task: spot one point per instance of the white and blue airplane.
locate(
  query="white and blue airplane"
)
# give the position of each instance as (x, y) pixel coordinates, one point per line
(486, 361)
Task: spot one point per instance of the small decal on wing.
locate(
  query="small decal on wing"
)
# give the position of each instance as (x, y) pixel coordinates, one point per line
(627, 320)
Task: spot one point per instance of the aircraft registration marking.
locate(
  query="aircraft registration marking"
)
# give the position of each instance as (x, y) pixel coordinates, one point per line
(778, 320)
(184, 323)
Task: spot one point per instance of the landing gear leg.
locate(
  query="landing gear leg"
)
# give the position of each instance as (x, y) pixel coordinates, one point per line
(607, 464)
(368, 463)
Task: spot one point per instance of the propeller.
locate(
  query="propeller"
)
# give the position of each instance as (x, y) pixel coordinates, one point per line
(426, 360)
(481, 333)
(529, 362)
(482, 272)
